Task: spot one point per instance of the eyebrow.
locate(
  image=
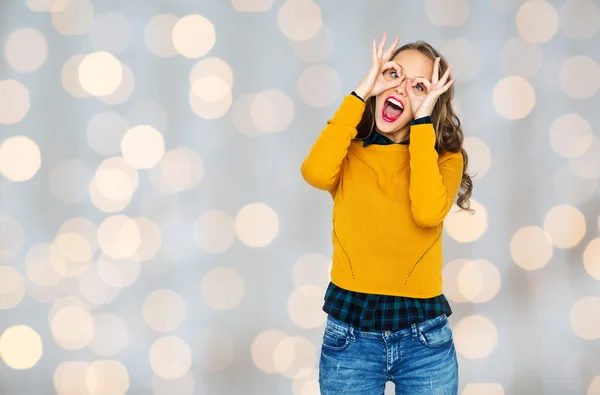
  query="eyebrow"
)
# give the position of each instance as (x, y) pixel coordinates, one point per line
(418, 76)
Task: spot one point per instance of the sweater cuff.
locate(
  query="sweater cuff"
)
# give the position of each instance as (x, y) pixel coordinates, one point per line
(422, 136)
(351, 111)
(356, 94)
(422, 120)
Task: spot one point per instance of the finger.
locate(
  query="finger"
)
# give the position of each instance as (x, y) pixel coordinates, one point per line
(444, 78)
(374, 51)
(395, 82)
(422, 80)
(409, 88)
(392, 65)
(448, 85)
(390, 50)
(436, 71)
(381, 46)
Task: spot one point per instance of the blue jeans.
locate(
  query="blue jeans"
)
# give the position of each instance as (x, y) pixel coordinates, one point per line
(418, 360)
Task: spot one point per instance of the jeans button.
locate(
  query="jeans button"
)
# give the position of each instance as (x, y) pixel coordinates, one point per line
(387, 333)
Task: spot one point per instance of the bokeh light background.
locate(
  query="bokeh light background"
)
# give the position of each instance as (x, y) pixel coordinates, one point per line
(156, 236)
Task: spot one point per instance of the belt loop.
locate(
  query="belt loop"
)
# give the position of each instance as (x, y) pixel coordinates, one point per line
(414, 331)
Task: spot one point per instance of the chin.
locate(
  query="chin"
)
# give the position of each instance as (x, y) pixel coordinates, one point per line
(386, 127)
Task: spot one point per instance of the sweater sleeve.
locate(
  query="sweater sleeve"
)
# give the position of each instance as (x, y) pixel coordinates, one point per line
(434, 181)
(323, 166)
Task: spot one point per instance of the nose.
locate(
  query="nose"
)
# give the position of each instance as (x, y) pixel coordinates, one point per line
(401, 89)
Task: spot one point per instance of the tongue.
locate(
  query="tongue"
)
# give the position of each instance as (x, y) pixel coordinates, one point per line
(392, 111)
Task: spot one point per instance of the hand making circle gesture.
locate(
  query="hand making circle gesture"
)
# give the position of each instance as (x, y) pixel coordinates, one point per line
(426, 94)
(374, 82)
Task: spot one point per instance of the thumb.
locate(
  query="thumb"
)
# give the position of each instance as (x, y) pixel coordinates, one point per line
(409, 88)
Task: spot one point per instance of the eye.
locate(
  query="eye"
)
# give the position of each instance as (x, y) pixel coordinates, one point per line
(394, 74)
(420, 87)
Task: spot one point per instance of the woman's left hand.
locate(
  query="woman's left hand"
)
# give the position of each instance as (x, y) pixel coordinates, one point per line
(423, 101)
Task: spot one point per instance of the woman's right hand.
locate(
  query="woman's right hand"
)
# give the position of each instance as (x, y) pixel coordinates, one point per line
(374, 82)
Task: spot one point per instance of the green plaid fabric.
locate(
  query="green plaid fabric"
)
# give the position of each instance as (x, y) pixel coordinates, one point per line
(369, 312)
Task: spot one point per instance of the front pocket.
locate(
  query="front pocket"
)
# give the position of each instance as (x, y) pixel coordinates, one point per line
(438, 336)
(335, 341)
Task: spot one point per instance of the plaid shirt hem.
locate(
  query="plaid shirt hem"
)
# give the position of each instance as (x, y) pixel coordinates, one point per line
(369, 312)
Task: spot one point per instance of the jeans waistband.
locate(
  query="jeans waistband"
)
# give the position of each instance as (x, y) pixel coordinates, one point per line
(414, 329)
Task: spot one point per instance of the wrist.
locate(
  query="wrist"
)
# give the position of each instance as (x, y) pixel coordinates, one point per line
(360, 91)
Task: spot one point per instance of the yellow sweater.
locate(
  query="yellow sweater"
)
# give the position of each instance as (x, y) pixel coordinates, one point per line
(389, 203)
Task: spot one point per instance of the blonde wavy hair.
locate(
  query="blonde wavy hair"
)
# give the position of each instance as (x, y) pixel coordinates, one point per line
(447, 125)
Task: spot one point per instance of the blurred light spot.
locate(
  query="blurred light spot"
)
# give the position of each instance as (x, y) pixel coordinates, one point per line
(212, 67)
(483, 389)
(184, 385)
(447, 13)
(14, 101)
(252, 5)
(110, 335)
(521, 57)
(26, 50)
(93, 288)
(75, 19)
(38, 268)
(70, 77)
(111, 33)
(316, 49)
(73, 247)
(537, 21)
(304, 306)
(209, 109)
(164, 310)
(531, 248)
(242, 118)
(479, 281)
(20, 158)
(124, 90)
(571, 188)
(272, 111)
(480, 157)
(72, 328)
(158, 35)
(295, 357)
(299, 20)
(566, 226)
(257, 225)
(594, 388)
(119, 236)
(464, 226)
(101, 192)
(580, 18)
(214, 232)
(571, 135)
(579, 77)
(12, 287)
(178, 244)
(119, 273)
(20, 347)
(70, 378)
(588, 165)
(464, 57)
(585, 318)
(312, 269)
(591, 258)
(11, 238)
(143, 147)
(105, 132)
(319, 85)
(217, 351)
(148, 112)
(222, 288)
(151, 239)
(69, 179)
(107, 378)
(193, 36)
(179, 170)
(451, 288)
(170, 357)
(211, 88)
(475, 337)
(63, 302)
(47, 6)
(507, 5)
(309, 384)
(100, 73)
(513, 97)
(263, 350)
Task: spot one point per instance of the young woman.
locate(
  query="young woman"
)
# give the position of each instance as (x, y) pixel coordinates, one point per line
(392, 159)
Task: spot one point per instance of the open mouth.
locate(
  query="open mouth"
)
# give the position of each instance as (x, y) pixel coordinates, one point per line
(392, 109)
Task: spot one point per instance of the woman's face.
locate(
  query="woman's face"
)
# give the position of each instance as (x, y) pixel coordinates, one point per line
(393, 112)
